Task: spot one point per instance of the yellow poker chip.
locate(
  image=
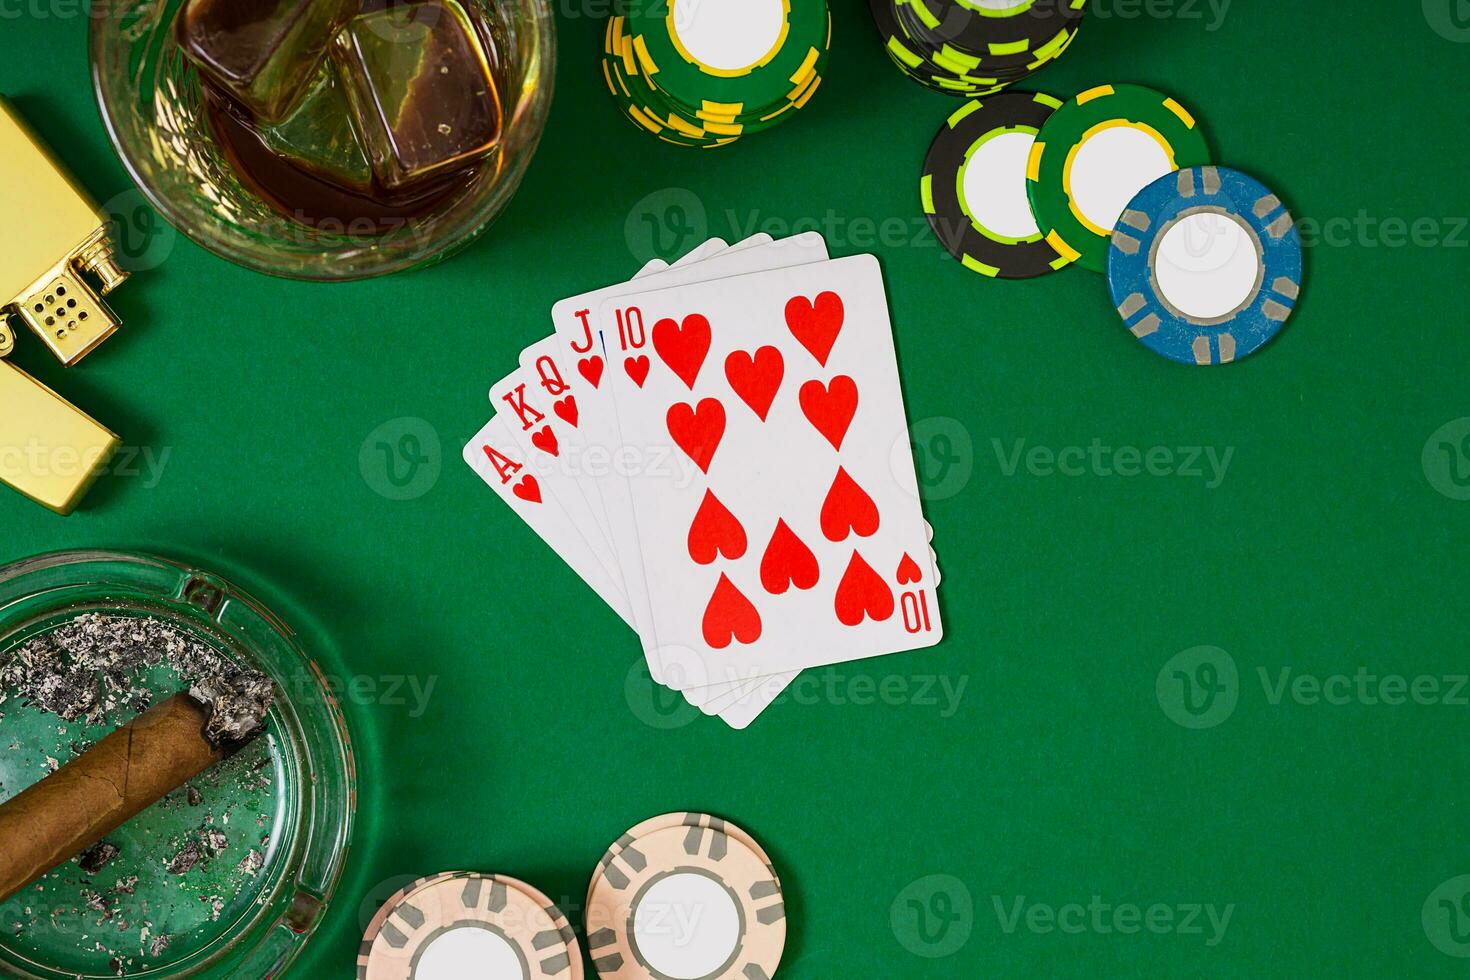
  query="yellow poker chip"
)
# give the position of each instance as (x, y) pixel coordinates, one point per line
(461, 924)
(689, 902)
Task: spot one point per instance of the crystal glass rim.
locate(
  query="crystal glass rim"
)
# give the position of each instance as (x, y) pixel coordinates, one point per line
(525, 121)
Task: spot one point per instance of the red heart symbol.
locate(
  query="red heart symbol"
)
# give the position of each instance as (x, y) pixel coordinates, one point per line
(908, 571)
(730, 616)
(566, 410)
(815, 324)
(545, 440)
(862, 593)
(756, 379)
(848, 509)
(528, 489)
(787, 562)
(637, 368)
(591, 368)
(715, 532)
(698, 431)
(683, 346)
(830, 408)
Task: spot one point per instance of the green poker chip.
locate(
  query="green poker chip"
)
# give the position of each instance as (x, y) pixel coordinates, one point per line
(702, 117)
(647, 108)
(655, 117)
(745, 54)
(1095, 153)
(974, 186)
(754, 119)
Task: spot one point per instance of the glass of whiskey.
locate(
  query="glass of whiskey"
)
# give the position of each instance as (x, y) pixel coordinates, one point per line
(325, 139)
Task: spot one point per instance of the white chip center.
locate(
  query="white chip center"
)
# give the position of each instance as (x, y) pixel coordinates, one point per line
(1000, 5)
(994, 185)
(728, 35)
(686, 926)
(1110, 168)
(469, 951)
(1207, 266)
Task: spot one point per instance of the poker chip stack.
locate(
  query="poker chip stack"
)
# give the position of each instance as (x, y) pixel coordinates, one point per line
(703, 73)
(974, 48)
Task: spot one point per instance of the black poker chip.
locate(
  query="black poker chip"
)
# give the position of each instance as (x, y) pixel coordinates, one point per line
(968, 50)
(974, 186)
(1003, 32)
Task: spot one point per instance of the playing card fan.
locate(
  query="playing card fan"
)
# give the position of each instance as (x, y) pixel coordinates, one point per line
(719, 449)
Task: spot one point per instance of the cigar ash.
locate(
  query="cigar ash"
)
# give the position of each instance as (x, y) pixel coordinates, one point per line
(155, 890)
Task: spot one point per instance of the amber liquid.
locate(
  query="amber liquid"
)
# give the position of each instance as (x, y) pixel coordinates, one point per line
(312, 200)
(318, 201)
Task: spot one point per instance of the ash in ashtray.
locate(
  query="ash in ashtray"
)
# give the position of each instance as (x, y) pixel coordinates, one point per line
(141, 896)
(85, 669)
(97, 857)
(237, 704)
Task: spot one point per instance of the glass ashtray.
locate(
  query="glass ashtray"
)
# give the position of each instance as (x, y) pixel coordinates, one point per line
(284, 805)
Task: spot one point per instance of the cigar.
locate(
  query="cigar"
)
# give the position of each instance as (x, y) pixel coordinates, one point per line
(122, 775)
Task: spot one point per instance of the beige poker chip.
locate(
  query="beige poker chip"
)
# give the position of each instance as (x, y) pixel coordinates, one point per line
(685, 903)
(559, 919)
(375, 924)
(692, 820)
(463, 925)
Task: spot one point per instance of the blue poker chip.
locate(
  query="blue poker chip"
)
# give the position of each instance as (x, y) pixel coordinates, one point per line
(1205, 265)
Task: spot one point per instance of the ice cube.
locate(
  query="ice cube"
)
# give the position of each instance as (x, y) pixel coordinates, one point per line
(264, 53)
(319, 135)
(422, 93)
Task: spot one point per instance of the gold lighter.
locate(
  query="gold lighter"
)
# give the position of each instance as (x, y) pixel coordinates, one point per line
(51, 236)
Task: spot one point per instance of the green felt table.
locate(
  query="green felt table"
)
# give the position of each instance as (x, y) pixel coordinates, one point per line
(1098, 513)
